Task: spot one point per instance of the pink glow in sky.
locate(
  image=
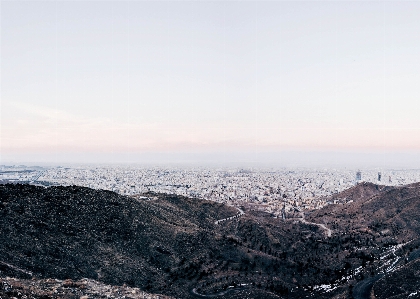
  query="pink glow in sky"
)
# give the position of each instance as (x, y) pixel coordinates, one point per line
(135, 77)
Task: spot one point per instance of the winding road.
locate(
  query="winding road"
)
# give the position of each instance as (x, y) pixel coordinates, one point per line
(362, 289)
(230, 290)
(414, 255)
(232, 217)
(326, 229)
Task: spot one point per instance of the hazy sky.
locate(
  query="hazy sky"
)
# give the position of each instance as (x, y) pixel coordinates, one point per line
(88, 79)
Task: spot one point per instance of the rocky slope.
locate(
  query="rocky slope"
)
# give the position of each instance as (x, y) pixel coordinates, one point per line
(171, 245)
(68, 289)
(403, 283)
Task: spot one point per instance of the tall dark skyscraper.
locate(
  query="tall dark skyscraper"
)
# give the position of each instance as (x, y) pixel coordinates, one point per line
(358, 176)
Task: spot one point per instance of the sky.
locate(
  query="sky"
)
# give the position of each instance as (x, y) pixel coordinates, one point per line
(138, 81)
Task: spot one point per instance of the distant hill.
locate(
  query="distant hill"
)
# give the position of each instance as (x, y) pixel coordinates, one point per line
(172, 245)
(358, 192)
(391, 213)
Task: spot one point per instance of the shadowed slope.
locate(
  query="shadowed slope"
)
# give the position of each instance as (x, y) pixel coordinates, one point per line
(171, 245)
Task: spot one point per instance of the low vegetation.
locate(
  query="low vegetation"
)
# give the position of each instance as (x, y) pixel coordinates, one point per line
(171, 245)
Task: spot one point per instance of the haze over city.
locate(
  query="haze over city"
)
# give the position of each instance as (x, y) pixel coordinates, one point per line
(286, 82)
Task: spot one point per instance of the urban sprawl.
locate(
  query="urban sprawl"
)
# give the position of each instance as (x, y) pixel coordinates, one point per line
(269, 190)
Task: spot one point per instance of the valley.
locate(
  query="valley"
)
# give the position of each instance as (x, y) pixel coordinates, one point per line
(183, 247)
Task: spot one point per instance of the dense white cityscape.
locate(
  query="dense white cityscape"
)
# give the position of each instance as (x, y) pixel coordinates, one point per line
(264, 189)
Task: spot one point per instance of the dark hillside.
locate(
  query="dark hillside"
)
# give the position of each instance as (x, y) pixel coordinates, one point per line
(403, 283)
(76, 232)
(171, 244)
